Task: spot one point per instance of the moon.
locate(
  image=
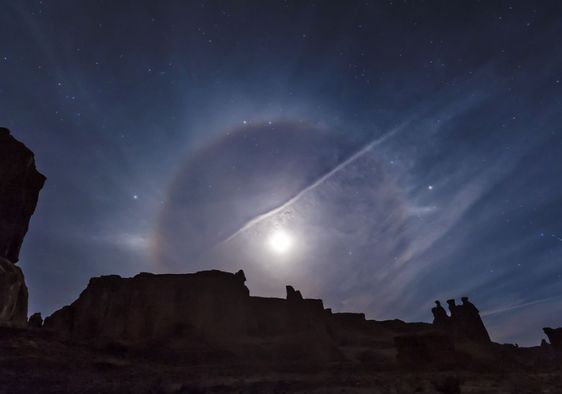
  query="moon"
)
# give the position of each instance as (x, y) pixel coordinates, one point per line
(280, 242)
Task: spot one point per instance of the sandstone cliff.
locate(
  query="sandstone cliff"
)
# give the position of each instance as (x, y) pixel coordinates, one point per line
(151, 306)
(13, 294)
(20, 183)
(208, 309)
(210, 317)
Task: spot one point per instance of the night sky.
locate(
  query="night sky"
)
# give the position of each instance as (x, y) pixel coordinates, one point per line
(397, 152)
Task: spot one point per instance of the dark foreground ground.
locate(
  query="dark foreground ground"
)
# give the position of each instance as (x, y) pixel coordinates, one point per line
(34, 361)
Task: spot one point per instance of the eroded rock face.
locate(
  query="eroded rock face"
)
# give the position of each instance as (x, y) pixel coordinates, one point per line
(210, 311)
(213, 305)
(13, 295)
(464, 322)
(180, 311)
(20, 183)
(149, 306)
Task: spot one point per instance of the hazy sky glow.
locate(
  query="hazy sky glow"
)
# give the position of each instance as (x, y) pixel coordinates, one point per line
(407, 151)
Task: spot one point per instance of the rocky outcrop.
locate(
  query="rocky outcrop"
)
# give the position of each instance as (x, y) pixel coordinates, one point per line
(213, 305)
(35, 320)
(554, 336)
(213, 310)
(463, 323)
(180, 311)
(293, 295)
(13, 295)
(132, 310)
(20, 183)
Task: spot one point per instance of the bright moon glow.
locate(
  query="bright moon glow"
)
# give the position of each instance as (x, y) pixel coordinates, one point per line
(280, 242)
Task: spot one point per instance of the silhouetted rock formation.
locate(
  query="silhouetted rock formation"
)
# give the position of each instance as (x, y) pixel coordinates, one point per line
(464, 322)
(440, 318)
(213, 310)
(13, 295)
(554, 336)
(210, 307)
(35, 320)
(293, 295)
(206, 328)
(148, 306)
(20, 184)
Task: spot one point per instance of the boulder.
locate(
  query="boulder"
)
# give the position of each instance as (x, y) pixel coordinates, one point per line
(13, 295)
